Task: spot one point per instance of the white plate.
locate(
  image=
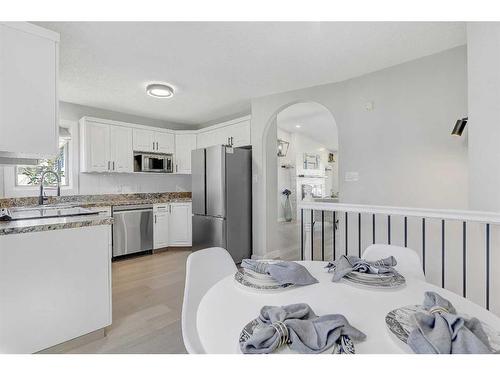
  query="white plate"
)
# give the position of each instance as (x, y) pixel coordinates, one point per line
(240, 279)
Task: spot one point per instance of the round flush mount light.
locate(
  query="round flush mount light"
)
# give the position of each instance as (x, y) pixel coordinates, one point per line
(297, 126)
(159, 90)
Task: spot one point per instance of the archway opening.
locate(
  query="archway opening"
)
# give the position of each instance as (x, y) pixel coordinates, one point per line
(305, 166)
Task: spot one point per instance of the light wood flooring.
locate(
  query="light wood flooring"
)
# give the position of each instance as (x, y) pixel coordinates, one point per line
(147, 303)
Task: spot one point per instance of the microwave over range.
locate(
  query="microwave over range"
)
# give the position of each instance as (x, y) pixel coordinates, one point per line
(155, 163)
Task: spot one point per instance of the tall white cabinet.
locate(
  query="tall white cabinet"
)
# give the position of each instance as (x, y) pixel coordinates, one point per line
(105, 147)
(184, 144)
(28, 91)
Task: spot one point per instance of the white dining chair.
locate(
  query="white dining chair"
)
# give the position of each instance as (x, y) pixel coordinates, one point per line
(408, 265)
(204, 268)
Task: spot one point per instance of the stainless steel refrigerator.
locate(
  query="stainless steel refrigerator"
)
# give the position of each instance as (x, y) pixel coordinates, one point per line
(222, 199)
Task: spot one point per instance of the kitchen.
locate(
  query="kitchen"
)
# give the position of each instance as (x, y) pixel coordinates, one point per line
(120, 188)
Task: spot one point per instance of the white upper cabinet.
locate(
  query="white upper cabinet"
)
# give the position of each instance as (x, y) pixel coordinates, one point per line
(235, 133)
(184, 144)
(105, 147)
(28, 91)
(95, 147)
(122, 159)
(240, 134)
(165, 142)
(180, 224)
(143, 140)
(153, 141)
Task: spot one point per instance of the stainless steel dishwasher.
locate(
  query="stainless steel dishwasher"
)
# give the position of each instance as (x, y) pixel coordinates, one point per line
(132, 229)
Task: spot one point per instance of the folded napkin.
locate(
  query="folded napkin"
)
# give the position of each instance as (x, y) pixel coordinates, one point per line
(283, 272)
(442, 331)
(347, 264)
(300, 327)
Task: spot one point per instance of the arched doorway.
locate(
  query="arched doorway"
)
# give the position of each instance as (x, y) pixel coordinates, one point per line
(305, 163)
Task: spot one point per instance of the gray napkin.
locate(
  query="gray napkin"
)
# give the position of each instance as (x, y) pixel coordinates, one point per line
(283, 272)
(442, 331)
(307, 333)
(347, 264)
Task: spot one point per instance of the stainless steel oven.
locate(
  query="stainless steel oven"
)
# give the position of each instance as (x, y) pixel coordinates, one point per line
(156, 163)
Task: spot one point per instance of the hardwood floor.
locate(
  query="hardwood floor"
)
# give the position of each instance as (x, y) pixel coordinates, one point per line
(147, 303)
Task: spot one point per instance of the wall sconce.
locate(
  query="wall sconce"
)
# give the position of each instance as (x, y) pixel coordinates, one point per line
(459, 126)
(282, 148)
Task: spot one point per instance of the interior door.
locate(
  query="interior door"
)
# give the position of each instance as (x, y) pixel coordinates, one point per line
(98, 147)
(216, 181)
(122, 156)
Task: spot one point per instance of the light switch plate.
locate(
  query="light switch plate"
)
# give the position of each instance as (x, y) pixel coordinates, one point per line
(351, 176)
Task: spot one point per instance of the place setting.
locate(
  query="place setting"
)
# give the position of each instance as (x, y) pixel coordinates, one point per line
(436, 327)
(272, 275)
(379, 274)
(296, 329)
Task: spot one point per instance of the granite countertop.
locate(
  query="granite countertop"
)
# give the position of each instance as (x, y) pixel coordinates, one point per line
(86, 201)
(40, 225)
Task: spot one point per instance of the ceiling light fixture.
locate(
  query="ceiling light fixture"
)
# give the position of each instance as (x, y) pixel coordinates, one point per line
(159, 90)
(297, 126)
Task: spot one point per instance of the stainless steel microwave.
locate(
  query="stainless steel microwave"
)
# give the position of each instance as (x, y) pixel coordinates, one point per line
(155, 163)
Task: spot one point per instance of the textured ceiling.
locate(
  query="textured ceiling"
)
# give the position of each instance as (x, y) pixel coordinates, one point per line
(217, 67)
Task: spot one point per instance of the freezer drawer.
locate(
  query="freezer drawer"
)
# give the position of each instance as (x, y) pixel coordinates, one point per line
(132, 231)
(208, 231)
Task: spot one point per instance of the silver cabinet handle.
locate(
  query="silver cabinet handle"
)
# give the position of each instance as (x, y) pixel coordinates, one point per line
(155, 219)
(153, 146)
(113, 165)
(156, 146)
(109, 165)
(176, 168)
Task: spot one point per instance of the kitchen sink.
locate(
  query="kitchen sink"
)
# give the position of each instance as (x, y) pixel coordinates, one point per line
(44, 212)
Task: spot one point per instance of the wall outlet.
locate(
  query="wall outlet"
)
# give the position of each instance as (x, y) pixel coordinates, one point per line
(351, 176)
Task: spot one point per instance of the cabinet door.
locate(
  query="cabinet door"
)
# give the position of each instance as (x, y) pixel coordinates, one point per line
(143, 140)
(165, 143)
(160, 226)
(28, 97)
(184, 144)
(240, 134)
(122, 156)
(180, 224)
(97, 147)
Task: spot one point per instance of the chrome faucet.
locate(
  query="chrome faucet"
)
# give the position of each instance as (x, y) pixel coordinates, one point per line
(42, 198)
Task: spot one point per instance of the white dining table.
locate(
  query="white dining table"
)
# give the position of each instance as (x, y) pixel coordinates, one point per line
(227, 307)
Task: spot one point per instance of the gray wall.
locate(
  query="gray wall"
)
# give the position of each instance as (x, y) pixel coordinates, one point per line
(483, 42)
(402, 149)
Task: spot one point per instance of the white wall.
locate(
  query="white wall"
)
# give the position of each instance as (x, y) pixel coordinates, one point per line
(104, 183)
(483, 45)
(402, 149)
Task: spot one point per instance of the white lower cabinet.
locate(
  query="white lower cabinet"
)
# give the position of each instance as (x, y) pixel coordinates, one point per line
(180, 224)
(160, 225)
(172, 225)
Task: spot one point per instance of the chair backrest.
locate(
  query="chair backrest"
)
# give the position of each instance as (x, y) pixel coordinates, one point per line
(204, 268)
(409, 264)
